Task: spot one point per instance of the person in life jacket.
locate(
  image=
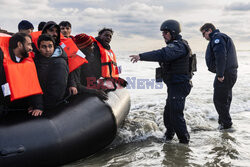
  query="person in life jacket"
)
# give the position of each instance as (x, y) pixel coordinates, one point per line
(106, 66)
(52, 29)
(41, 25)
(25, 27)
(84, 76)
(174, 59)
(5, 32)
(65, 27)
(20, 89)
(52, 72)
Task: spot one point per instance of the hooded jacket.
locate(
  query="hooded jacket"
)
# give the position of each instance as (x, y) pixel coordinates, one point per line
(51, 24)
(53, 76)
(53, 72)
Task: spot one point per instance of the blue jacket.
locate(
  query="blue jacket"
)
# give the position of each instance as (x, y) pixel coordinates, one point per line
(174, 50)
(221, 54)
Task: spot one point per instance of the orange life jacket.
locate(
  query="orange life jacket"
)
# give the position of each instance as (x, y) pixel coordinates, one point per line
(75, 57)
(4, 35)
(21, 77)
(34, 36)
(108, 60)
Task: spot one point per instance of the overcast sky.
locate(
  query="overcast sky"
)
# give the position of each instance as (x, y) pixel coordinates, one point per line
(135, 22)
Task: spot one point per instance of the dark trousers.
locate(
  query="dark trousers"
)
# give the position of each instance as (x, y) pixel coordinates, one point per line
(223, 97)
(173, 114)
(15, 106)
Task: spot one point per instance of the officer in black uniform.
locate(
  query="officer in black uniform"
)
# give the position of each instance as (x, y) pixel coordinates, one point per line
(221, 59)
(174, 61)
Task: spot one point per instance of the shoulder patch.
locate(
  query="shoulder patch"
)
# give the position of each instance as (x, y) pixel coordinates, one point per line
(216, 41)
(171, 45)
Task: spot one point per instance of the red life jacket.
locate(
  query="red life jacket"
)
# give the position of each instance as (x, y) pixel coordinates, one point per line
(21, 77)
(75, 57)
(108, 60)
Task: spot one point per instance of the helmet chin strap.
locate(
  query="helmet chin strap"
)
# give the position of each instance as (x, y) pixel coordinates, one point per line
(173, 35)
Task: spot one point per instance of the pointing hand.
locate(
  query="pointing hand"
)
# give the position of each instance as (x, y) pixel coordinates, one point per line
(134, 58)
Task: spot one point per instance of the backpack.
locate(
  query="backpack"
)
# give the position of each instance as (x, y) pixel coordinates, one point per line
(192, 59)
(192, 64)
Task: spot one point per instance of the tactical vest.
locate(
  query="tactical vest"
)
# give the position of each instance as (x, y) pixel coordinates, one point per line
(178, 66)
(183, 65)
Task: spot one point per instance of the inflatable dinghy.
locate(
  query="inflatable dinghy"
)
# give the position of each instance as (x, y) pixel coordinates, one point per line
(70, 132)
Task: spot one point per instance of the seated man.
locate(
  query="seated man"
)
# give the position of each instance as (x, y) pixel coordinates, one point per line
(25, 27)
(52, 71)
(87, 70)
(106, 65)
(19, 93)
(52, 29)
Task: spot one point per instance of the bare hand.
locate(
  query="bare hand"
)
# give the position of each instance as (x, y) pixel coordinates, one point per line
(73, 90)
(134, 58)
(35, 112)
(221, 79)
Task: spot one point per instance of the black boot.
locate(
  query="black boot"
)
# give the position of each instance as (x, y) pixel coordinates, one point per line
(184, 139)
(169, 135)
(224, 126)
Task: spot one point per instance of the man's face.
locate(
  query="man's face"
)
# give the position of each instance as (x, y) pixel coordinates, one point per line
(205, 33)
(106, 37)
(52, 32)
(26, 47)
(46, 48)
(28, 31)
(167, 36)
(66, 31)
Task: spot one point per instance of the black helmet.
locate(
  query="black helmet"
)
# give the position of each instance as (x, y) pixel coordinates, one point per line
(171, 25)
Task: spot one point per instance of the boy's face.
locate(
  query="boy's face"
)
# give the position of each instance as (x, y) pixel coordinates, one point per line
(46, 48)
(66, 31)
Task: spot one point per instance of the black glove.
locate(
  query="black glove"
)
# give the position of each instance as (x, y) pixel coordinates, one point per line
(101, 94)
(122, 82)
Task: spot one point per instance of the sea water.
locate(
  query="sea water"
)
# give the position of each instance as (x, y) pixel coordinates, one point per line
(140, 141)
